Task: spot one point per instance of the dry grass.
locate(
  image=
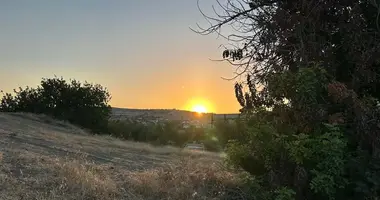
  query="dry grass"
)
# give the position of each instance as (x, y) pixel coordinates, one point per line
(40, 160)
(33, 176)
(189, 179)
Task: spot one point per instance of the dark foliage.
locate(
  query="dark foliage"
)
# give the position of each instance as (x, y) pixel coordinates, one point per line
(164, 133)
(228, 130)
(83, 104)
(174, 133)
(311, 95)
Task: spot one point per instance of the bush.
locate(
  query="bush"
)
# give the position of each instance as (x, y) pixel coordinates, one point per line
(298, 148)
(311, 165)
(212, 145)
(83, 104)
(164, 133)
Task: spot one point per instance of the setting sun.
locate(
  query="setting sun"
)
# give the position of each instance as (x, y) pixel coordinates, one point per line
(199, 105)
(199, 109)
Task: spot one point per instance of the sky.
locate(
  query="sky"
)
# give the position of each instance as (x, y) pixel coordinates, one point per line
(143, 51)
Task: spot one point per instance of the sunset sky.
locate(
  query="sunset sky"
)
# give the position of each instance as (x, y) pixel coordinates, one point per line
(142, 51)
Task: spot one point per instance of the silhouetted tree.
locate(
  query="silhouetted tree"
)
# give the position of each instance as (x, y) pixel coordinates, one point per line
(83, 104)
(306, 61)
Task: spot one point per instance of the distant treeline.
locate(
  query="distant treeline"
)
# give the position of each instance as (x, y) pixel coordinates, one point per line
(169, 114)
(174, 133)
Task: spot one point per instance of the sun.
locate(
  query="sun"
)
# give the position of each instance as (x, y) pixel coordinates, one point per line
(199, 105)
(199, 109)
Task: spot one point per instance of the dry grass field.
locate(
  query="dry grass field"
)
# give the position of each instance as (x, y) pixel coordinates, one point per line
(41, 158)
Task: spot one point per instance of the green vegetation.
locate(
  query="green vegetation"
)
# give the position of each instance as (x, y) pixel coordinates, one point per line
(164, 133)
(311, 98)
(79, 103)
(169, 133)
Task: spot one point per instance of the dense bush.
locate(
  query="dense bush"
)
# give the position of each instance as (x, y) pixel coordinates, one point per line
(297, 150)
(228, 130)
(83, 104)
(311, 96)
(164, 133)
(130, 130)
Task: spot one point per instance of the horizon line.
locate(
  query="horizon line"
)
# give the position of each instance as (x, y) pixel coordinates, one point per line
(171, 109)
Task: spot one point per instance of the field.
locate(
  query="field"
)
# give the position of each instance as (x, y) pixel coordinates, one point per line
(41, 158)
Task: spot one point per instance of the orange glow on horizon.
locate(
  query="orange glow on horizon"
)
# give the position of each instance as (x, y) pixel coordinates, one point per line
(199, 109)
(199, 105)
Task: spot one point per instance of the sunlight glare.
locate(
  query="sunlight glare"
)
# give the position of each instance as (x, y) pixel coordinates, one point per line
(199, 105)
(199, 109)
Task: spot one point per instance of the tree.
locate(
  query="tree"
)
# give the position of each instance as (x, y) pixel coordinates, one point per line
(84, 104)
(306, 62)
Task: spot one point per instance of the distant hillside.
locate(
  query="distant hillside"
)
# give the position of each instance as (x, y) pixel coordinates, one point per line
(167, 114)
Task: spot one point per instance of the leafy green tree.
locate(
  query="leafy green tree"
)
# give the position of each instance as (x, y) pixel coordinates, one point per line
(83, 104)
(308, 63)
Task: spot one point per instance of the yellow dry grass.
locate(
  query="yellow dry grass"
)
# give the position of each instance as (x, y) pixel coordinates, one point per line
(32, 176)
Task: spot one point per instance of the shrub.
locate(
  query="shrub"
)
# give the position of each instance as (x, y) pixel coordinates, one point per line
(83, 104)
(164, 133)
(228, 130)
(313, 165)
(290, 148)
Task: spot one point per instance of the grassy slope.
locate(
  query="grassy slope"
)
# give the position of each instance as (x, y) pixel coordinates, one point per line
(42, 158)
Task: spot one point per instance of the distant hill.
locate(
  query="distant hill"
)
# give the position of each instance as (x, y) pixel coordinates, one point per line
(167, 114)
